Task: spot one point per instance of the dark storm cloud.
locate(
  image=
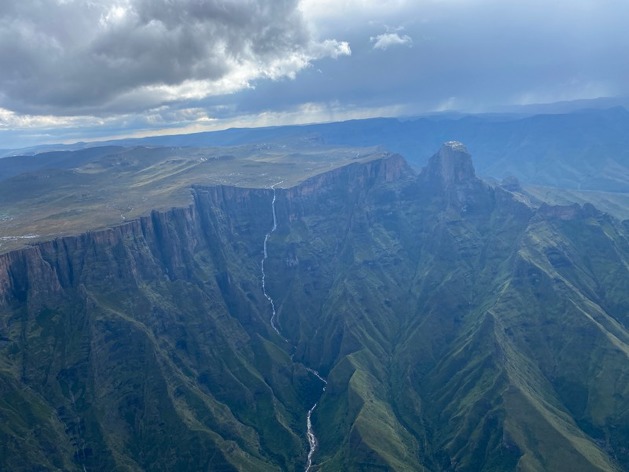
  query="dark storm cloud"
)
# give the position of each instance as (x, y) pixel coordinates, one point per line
(146, 65)
(66, 57)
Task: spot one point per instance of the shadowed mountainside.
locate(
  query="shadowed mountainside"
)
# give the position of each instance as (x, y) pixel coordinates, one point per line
(460, 326)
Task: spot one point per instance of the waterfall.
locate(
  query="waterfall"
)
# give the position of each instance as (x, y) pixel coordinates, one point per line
(264, 258)
(312, 438)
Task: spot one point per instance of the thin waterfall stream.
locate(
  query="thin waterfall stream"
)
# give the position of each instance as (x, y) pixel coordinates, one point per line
(312, 439)
(264, 258)
(310, 434)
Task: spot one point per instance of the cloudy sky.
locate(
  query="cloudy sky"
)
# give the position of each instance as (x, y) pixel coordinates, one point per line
(75, 70)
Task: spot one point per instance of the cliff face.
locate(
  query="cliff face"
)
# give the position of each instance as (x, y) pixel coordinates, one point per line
(451, 166)
(458, 328)
(141, 344)
(145, 339)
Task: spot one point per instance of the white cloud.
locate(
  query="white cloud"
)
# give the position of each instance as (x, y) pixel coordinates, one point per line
(10, 120)
(318, 10)
(126, 65)
(108, 56)
(386, 40)
(165, 121)
(330, 48)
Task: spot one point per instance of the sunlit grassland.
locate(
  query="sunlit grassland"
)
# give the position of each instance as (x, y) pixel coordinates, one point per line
(127, 183)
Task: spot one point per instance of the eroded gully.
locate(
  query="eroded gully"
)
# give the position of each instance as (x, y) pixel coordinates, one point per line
(310, 434)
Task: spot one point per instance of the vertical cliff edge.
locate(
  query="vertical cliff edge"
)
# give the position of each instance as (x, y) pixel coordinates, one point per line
(459, 327)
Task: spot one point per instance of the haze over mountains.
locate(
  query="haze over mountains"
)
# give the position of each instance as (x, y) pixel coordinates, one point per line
(460, 325)
(578, 156)
(585, 149)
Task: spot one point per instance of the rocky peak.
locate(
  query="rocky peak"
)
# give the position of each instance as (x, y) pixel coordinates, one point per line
(450, 175)
(452, 165)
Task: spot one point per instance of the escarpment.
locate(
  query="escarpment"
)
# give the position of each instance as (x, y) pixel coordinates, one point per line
(168, 238)
(169, 305)
(459, 327)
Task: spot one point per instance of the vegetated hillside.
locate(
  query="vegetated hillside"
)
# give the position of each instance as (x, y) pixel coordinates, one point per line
(460, 327)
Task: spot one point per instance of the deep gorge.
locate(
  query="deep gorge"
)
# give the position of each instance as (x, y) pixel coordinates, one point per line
(457, 324)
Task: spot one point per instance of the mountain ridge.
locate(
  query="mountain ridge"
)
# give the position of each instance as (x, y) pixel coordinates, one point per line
(459, 327)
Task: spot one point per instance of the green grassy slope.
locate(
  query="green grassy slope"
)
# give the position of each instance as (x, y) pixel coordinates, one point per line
(451, 341)
(460, 328)
(71, 192)
(145, 348)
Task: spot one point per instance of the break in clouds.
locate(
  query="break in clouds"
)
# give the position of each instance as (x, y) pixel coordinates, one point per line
(73, 57)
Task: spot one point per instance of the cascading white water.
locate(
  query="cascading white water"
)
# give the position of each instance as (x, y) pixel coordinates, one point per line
(266, 239)
(312, 438)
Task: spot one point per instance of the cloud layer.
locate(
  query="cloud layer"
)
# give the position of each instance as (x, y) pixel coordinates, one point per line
(386, 40)
(80, 69)
(76, 57)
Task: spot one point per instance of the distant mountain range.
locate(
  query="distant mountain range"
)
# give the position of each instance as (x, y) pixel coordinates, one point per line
(583, 150)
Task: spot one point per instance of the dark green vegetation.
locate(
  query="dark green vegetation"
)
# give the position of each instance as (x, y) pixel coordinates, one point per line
(461, 327)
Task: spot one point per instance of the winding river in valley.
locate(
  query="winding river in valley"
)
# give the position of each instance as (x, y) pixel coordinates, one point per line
(310, 434)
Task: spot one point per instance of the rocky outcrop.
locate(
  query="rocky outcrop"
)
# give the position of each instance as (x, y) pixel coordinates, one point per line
(450, 176)
(451, 166)
(567, 212)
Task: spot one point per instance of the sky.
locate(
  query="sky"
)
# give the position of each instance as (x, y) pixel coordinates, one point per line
(83, 70)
